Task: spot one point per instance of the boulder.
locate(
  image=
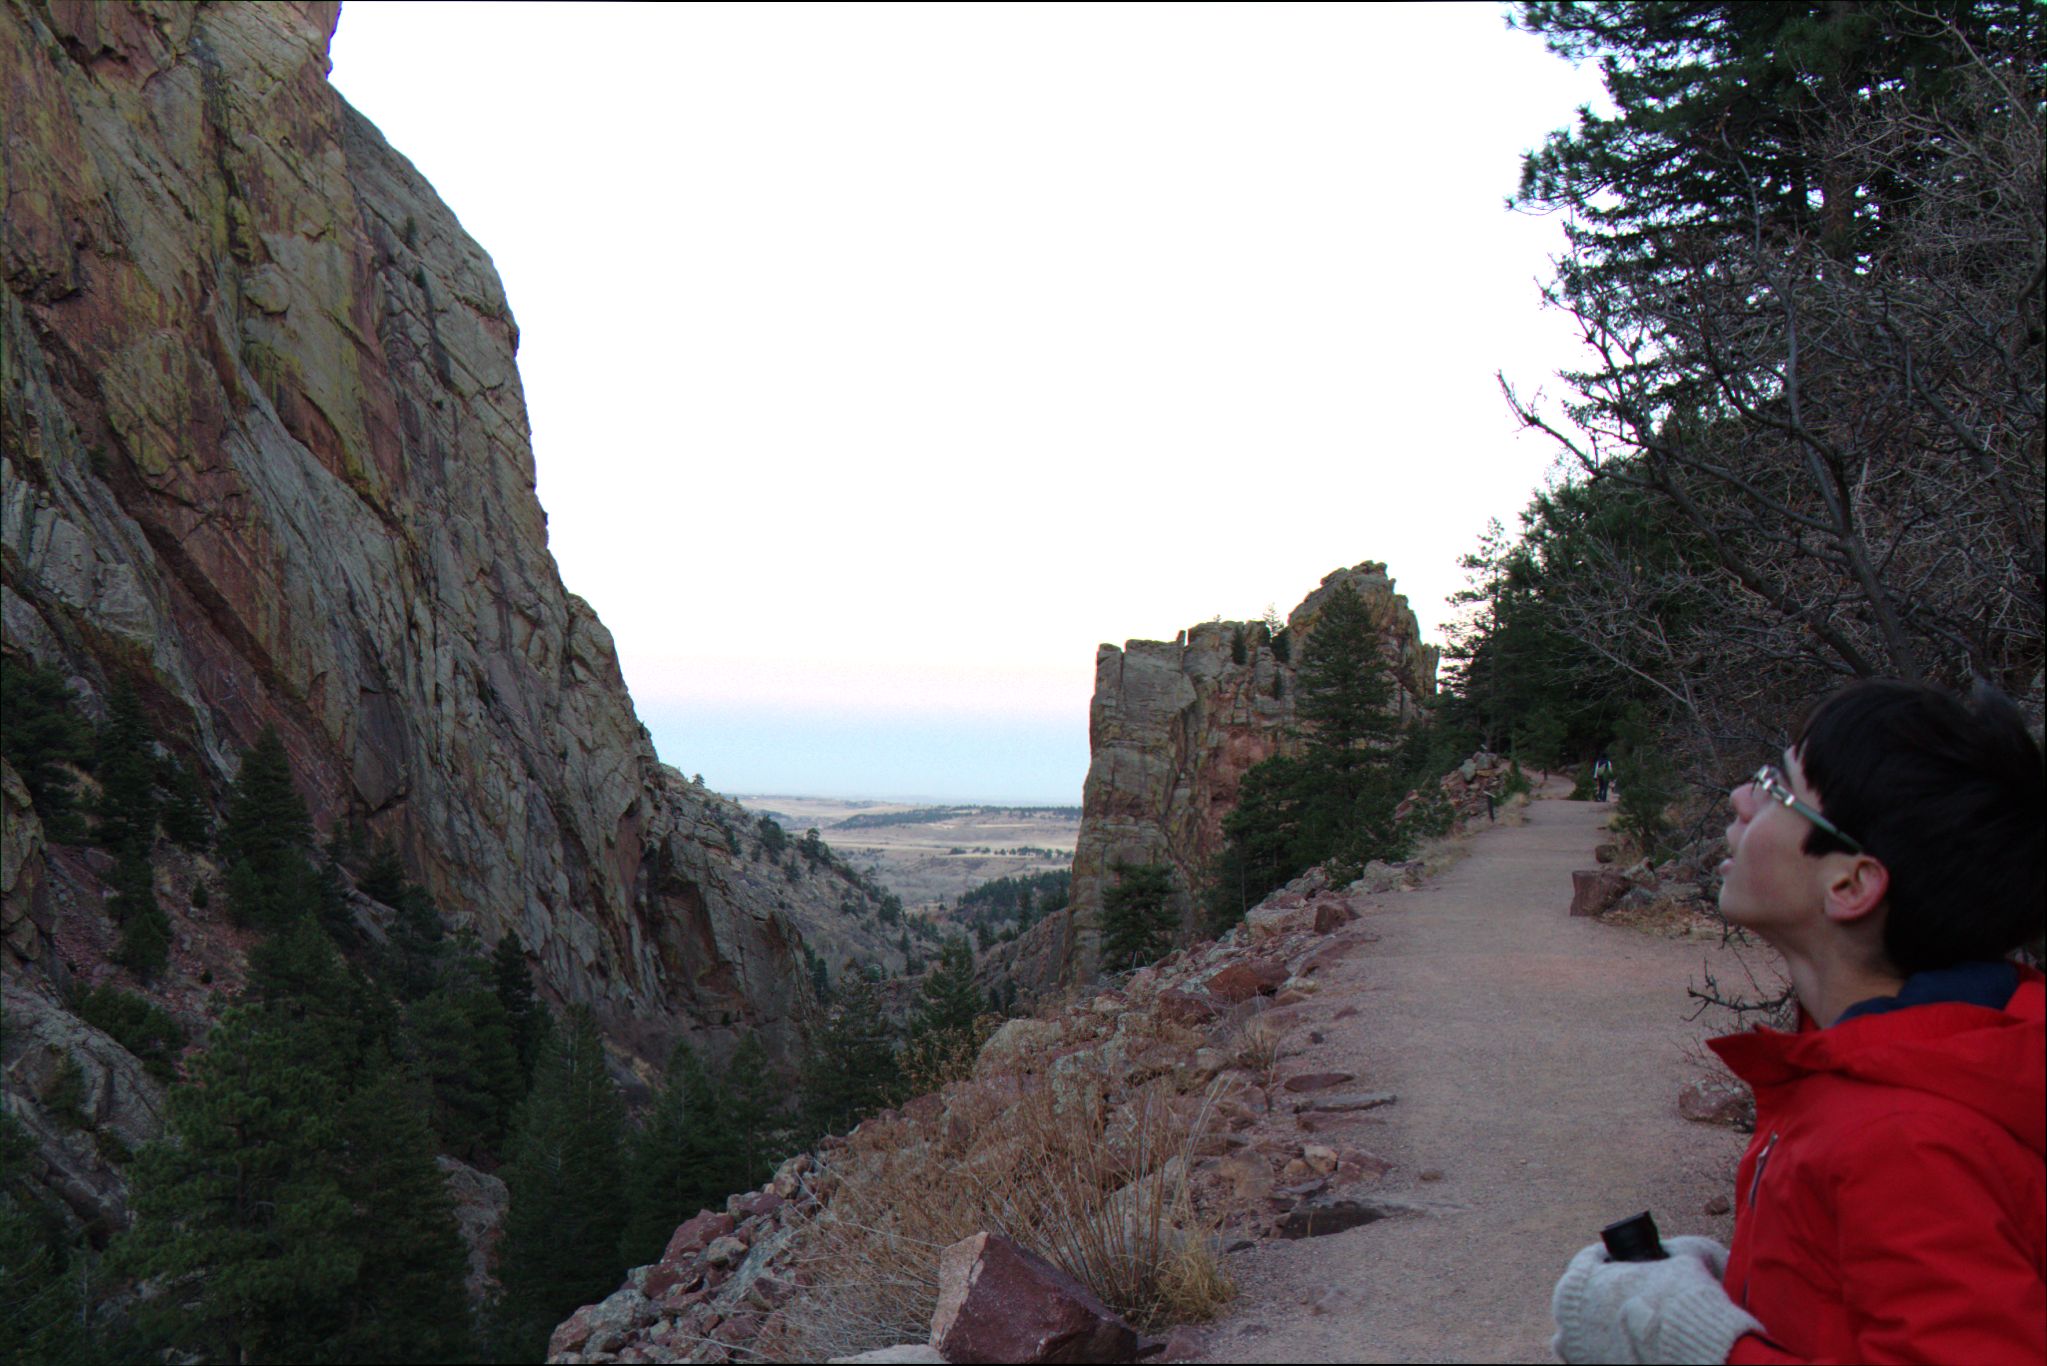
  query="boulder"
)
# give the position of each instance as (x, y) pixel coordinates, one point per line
(1332, 913)
(998, 1302)
(1594, 890)
(697, 1233)
(1185, 1007)
(601, 1327)
(915, 1352)
(1240, 981)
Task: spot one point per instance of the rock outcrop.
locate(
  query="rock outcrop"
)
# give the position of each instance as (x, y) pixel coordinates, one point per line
(825, 1260)
(264, 453)
(1172, 730)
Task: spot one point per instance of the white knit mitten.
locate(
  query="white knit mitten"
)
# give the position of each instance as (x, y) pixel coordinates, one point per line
(1661, 1313)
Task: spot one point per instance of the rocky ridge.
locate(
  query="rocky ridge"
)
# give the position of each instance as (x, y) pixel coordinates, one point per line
(264, 452)
(1173, 728)
(1272, 1149)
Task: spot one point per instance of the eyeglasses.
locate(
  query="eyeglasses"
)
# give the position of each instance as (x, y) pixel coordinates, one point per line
(1771, 783)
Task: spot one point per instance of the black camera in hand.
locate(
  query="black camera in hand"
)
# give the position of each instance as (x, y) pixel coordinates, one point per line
(1633, 1239)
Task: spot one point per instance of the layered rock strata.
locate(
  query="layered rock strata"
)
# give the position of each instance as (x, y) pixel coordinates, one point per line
(1172, 730)
(265, 452)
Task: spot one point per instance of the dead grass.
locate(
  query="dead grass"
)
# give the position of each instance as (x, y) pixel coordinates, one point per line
(1101, 1191)
(1256, 1046)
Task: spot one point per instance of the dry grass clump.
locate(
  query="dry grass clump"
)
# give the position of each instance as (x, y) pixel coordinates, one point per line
(1256, 1046)
(1101, 1191)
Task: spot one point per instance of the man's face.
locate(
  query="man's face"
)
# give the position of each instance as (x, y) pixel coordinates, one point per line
(1768, 883)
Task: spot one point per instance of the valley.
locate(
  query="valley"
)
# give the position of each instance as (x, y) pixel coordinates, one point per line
(929, 855)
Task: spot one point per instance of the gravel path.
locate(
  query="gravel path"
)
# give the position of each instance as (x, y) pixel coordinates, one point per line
(1537, 1060)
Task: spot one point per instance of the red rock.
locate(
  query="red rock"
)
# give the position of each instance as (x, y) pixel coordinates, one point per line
(755, 1204)
(696, 1234)
(1184, 1007)
(1594, 890)
(663, 1277)
(1332, 913)
(1241, 981)
(998, 1302)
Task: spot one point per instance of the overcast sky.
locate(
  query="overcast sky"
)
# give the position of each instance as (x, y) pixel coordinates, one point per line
(883, 360)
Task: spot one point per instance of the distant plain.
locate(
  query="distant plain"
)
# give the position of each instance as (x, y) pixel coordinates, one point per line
(928, 863)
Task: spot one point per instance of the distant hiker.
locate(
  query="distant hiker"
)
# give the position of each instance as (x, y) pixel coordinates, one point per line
(1602, 774)
(1893, 1203)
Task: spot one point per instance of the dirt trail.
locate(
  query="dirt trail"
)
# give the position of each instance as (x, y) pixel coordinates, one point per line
(1537, 1060)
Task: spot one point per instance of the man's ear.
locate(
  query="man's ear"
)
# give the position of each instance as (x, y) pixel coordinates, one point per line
(1857, 889)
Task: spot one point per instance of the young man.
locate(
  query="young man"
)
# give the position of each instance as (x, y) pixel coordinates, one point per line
(1893, 1203)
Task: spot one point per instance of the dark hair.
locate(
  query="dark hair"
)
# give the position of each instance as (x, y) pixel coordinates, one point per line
(1949, 797)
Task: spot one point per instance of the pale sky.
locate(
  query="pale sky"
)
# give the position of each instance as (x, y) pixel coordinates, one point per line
(884, 359)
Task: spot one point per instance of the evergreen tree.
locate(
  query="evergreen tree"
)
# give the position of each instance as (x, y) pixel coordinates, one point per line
(184, 809)
(331, 1016)
(409, 1300)
(513, 982)
(126, 764)
(1343, 691)
(759, 1121)
(44, 733)
(238, 1211)
(462, 1045)
(266, 841)
(266, 817)
(951, 1001)
(562, 1230)
(677, 1161)
(145, 930)
(852, 1069)
(1138, 920)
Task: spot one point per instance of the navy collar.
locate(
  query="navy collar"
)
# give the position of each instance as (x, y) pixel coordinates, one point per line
(1974, 984)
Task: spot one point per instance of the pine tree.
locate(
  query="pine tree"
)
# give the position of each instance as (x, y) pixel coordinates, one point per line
(409, 1300)
(334, 1018)
(238, 1212)
(462, 1045)
(513, 982)
(145, 930)
(266, 816)
(126, 765)
(1138, 919)
(677, 1161)
(184, 810)
(852, 1068)
(266, 841)
(1343, 691)
(43, 733)
(758, 1116)
(562, 1231)
(951, 1002)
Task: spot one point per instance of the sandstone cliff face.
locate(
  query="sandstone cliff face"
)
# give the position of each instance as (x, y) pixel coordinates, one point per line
(264, 448)
(1172, 730)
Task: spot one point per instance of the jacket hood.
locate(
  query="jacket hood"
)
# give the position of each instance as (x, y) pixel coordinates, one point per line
(1993, 1060)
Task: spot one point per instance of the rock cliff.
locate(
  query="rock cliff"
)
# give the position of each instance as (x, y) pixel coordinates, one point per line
(265, 452)
(1172, 730)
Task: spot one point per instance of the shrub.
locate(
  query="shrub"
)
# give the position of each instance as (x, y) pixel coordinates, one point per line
(1102, 1195)
(143, 1029)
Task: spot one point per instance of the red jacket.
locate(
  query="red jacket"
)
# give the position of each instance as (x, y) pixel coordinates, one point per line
(1893, 1204)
